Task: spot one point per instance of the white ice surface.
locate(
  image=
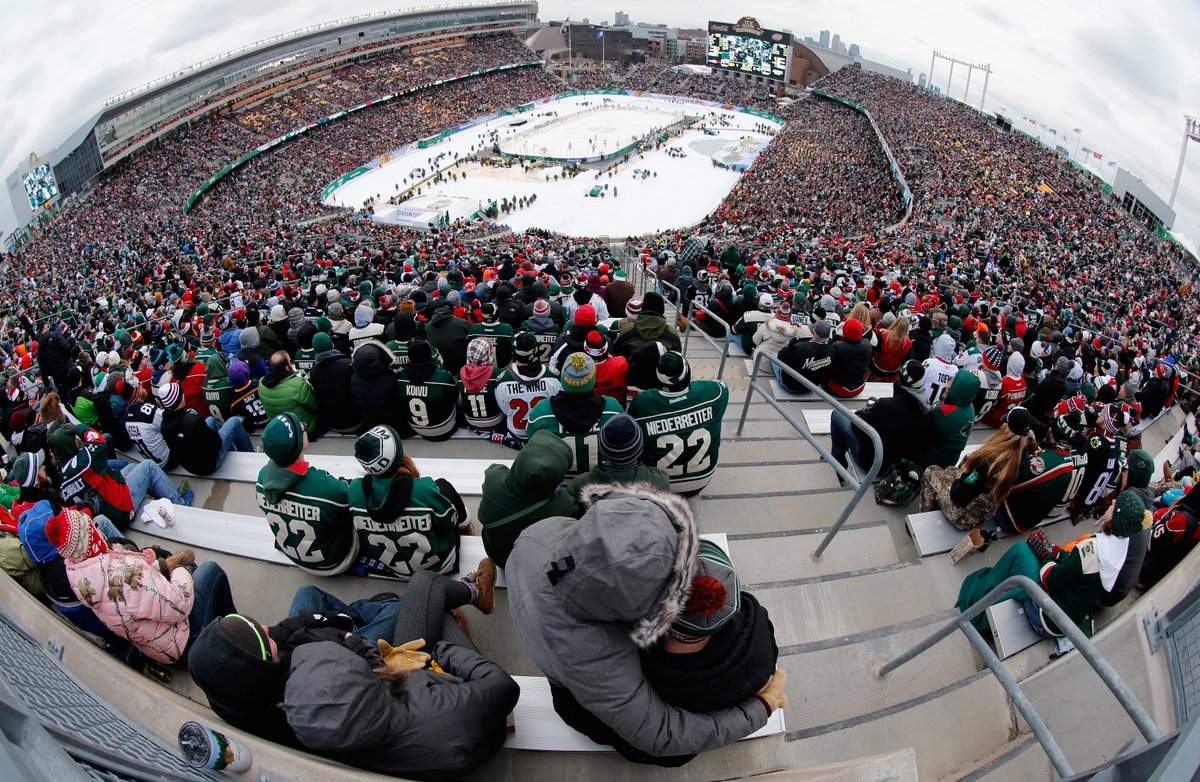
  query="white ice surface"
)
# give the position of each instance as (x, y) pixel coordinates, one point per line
(684, 192)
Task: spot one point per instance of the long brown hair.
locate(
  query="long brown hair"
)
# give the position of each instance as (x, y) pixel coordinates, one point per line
(408, 467)
(51, 409)
(1000, 457)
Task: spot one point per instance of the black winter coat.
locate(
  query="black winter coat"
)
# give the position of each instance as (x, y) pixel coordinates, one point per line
(903, 425)
(850, 360)
(193, 445)
(330, 379)
(373, 387)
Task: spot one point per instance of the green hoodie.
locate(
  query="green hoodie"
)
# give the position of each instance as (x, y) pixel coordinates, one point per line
(310, 515)
(951, 423)
(514, 498)
(218, 390)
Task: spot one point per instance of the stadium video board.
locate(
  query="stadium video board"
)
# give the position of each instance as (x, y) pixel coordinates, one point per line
(40, 185)
(745, 47)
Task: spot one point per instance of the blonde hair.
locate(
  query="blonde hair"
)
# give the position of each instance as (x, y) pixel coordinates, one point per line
(1000, 457)
(861, 313)
(897, 332)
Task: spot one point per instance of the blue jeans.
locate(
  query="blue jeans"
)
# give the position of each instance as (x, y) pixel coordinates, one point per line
(1034, 615)
(147, 476)
(213, 599)
(374, 619)
(844, 439)
(107, 528)
(233, 437)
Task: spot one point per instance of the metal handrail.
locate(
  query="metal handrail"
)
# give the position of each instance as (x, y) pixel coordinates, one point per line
(860, 486)
(724, 347)
(1086, 648)
(679, 308)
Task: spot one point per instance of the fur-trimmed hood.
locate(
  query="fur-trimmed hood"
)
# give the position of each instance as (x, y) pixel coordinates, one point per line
(632, 565)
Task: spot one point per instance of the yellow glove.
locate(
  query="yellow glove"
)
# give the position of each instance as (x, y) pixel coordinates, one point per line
(404, 657)
(772, 692)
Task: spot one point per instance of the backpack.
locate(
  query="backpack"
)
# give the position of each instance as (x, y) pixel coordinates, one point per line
(899, 486)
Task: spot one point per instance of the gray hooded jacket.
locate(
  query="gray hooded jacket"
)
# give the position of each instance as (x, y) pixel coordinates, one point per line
(586, 595)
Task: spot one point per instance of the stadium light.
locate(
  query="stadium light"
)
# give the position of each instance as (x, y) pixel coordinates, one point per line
(1191, 132)
(971, 66)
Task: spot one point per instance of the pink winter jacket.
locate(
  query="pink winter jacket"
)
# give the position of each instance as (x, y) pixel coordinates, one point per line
(130, 595)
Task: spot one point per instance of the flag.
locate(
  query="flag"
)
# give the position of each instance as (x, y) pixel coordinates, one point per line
(1098, 156)
(1032, 121)
(1085, 149)
(1076, 131)
(1111, 163)
(1053, 132)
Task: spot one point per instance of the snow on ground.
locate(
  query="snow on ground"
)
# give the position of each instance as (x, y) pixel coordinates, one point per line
(680, 190)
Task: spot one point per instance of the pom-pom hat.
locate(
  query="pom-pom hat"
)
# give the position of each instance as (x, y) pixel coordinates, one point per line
(714, 596)
(379, 451)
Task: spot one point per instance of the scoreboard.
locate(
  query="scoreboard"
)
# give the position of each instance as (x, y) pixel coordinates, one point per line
(745, 47)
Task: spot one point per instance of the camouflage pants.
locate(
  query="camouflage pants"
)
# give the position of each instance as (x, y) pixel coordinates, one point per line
(935, 495)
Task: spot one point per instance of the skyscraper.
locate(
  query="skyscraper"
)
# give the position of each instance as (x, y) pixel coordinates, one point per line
(620, 19)
(855, 52)
(824, 39)
(836, 43)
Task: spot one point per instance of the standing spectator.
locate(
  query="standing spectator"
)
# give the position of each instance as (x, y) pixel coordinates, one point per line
(617, 294)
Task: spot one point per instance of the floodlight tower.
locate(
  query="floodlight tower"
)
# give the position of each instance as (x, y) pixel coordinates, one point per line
(1191, 132)
(971, 66)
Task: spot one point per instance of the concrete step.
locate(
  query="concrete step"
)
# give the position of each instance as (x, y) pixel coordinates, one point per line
(1022, 758)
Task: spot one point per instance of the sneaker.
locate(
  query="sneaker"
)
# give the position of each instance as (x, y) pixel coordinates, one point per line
(484, 578)
(185, 495)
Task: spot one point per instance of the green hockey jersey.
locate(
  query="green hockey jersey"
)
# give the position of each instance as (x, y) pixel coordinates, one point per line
(480, 407)
(430, 408)
(399, 351)
(682, 431)
(420, 535)
(1043, 481)
(500, 335)
(304, 361)
(310, 516)
(218, 395)
(585, 446)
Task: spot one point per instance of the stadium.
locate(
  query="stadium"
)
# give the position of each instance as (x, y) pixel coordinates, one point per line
(818, 396)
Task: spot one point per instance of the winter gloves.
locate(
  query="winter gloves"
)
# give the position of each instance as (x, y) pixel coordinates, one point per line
(772, 694)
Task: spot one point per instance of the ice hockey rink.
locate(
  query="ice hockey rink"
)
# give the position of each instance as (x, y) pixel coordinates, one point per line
(652, 192)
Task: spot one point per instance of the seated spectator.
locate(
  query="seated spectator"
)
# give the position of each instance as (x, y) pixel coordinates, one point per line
(950, 423)
(681, 423)
(990, 382)
(1139, 472)
(583, 323)
(525, 383)
(1042, 483)
(218, 390)
(190, 375)
(159, 606)
(901, 421)
(892, 348)
(373, 391)
(544, 328)
(811, 358)
(330, 378)
(1050, 390)
(244, 402)
(91, 480)
(404, 522)
(650, 326)
(851, 355)
(746, 328)
(1012, 391)
(448, 335)
(284, 391)
(306, 507)
(940, 369)
(365, 327)
(611, 371)
(143, 422)
(1175, 532)
(339, 327)
(199, 446)
(620, 446)
(582, 297)
(575, 413)
(495, 332)
(584, 620)
(477, 385)
(1075, 576)
(774, 334)
(306, 354)
(428, 395)
(516, 497)
(968, 494)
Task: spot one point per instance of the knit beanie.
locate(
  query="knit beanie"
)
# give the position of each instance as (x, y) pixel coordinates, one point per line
(1141, 469)
(541, 308)
(633, 308)
(206, 337)
(25, 469)
(1129, 515)
(578, 374)
(169, 394)
(993, 358)
(321, 342)
(246, 634)
(596, 346)
(525, 346)
(419, 352)
(714, 596)
(480, 352)
(585, 315)
(852, 330)
(653, 304)
(912, 374)
(379, 451)
(673, 371)
(75, 536)
(784, 312)
(283, 439)
(620, 443)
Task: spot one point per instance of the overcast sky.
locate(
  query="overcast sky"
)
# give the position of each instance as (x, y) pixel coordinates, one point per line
(1125, 73)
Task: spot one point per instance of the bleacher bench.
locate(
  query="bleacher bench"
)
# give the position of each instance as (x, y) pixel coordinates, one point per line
(1010, 629)
(933, 534)
(536, 726)
(782, 394)
(466, 475)
(250, 537)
